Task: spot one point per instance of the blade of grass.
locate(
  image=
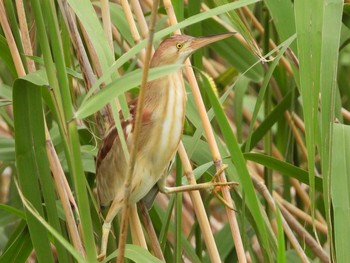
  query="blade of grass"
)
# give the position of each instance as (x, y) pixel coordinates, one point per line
(332, 22)
(276, 114)
(281, 12)
(240, 90)
(19, 246)
(118, 87)
(136, 254)
(281, 250)
(85, 11)
(340, 190)
(31, 159)
(13, 211)
(5, 56)
(308, 19)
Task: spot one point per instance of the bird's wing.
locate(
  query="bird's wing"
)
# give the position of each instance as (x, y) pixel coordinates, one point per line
(111, 165)
(127, 125)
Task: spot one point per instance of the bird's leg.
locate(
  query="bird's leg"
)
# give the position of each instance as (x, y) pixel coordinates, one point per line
(185, 188)
(106, 228)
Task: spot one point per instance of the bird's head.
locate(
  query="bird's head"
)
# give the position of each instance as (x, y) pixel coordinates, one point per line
(175, 49)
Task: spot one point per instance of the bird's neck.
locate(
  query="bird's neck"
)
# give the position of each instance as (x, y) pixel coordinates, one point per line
(160, 92)
(166, 100)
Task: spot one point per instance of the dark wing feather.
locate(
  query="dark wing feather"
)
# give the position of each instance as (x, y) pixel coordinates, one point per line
(112, 133)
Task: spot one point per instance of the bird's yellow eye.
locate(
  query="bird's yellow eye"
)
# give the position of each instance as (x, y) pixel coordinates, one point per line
(179, 45)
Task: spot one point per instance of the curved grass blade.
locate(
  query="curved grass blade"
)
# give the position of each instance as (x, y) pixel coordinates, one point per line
(118, 87)
(31, 209)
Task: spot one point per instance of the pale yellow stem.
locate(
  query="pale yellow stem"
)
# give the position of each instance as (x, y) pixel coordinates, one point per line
(136, 228)
(212, 144)
(11, 42)
(107, 25)
(199, 207)
(140, 17)
(132, 25)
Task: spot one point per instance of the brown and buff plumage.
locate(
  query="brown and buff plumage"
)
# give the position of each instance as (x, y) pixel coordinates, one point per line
(162, 124)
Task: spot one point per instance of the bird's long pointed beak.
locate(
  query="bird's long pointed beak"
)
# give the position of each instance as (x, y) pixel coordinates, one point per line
(199, 42)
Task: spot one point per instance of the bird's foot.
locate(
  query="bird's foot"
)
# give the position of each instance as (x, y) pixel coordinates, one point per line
(211, 186)
(218, 185)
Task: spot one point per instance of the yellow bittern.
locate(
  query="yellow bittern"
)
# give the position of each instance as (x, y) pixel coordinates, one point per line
(162, 123)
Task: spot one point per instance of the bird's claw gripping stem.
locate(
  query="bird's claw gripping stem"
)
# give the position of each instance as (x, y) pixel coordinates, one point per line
(217, 184)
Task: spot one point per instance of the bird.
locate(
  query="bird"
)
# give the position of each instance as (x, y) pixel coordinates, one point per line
(162, 117)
